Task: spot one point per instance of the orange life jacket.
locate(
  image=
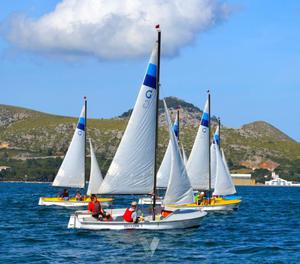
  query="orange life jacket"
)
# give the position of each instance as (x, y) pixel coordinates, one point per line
(128, 215)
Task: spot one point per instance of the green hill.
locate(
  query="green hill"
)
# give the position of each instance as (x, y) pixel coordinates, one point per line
(37, 141)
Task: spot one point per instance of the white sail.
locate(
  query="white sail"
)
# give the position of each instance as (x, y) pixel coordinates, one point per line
(225, 162)
(165, 167)
(179, 190)
(213, 161)
(198, 162)
(71, 171)
(95, 174)
(184, 156)
(223, 184)
(131, 171)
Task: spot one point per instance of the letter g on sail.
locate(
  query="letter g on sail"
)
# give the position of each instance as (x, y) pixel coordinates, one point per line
(148, 94)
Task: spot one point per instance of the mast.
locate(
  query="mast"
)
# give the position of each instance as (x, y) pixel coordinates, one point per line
(157, 116)
(219, 125)
(85, 135)
(209, 156)
(178, 124)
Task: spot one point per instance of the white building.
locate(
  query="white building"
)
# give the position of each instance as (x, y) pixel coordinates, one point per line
(276, 181)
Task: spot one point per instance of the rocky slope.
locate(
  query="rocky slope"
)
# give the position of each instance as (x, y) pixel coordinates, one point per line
(25, 133)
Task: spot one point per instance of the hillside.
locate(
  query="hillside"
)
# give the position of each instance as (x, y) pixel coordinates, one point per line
(27, 135)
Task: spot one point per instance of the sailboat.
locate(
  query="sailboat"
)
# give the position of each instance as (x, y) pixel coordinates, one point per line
(206, 170)
(133, 169)
(71, 173)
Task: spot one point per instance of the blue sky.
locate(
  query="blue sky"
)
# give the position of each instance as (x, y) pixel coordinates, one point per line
(250, 62)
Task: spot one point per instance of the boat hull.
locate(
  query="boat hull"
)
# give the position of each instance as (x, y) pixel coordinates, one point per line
(148, 200)
(72, 202)
(179, 219)
(214, 206)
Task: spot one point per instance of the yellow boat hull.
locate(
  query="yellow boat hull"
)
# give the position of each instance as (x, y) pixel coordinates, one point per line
(72, 202)
(214, 204)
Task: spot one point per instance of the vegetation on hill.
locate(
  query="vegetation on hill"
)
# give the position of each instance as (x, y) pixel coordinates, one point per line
(37, 141)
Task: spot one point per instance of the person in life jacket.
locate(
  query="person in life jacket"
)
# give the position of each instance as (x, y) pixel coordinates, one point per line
(130, 214)
(65, 194)
(95, 208)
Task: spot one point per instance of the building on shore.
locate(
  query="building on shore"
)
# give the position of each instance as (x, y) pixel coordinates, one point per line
(276, 181)
(242, 179)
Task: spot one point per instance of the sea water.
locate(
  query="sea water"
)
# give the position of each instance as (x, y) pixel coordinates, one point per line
(266, 229)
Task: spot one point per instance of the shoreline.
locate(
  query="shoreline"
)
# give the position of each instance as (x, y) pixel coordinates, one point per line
(250, 185)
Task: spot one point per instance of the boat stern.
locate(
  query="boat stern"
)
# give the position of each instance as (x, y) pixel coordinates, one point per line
(74, 222)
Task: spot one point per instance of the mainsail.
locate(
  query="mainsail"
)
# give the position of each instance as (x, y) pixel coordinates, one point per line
(71, 171)
(225, 162)
(131, 171)
(165, 167)
(223, 184)
(95, 174)
(198, 162)
(179, 190)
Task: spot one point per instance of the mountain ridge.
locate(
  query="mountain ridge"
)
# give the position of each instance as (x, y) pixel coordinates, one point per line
(26, 133)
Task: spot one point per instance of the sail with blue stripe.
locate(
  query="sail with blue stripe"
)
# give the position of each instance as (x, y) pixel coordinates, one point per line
(198, 162)
(131, 171)
(71, 171)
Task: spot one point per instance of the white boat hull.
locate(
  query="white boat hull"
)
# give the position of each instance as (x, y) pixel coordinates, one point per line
(62, 203)
(185, 218)
(148, 200)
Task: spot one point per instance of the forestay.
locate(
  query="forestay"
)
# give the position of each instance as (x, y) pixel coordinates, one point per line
(71, 171)
(165, 167)
(223, 184)
(198, 162)
(179, 190)
(131, 171)
(95, 174)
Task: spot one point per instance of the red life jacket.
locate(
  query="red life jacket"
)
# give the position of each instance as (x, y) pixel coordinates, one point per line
(128, 215)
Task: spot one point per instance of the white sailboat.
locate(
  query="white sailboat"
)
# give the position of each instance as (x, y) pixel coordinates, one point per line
(204, 168)
(133, 168)
(71, 173)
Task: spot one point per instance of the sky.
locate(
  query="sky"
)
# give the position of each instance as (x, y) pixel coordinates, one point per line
(52, 53)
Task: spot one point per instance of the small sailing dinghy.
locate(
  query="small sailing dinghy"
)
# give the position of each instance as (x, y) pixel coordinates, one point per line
(133, 169)
(71, 173)
(203, 167)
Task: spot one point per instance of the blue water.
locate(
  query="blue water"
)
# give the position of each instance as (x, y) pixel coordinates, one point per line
(266, 229)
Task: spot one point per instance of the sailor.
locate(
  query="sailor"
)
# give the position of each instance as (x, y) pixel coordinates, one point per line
(199, 198)
(130, 214)
(65, 194)
(78, 196)
(95, 208)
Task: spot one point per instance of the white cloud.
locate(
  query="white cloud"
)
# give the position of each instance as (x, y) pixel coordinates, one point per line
(113, 29)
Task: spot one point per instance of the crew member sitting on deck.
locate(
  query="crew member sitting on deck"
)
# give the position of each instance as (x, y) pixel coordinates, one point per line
(130, 214)
(65, 194)
(78, 196)
(200, 197)
(95, 208)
